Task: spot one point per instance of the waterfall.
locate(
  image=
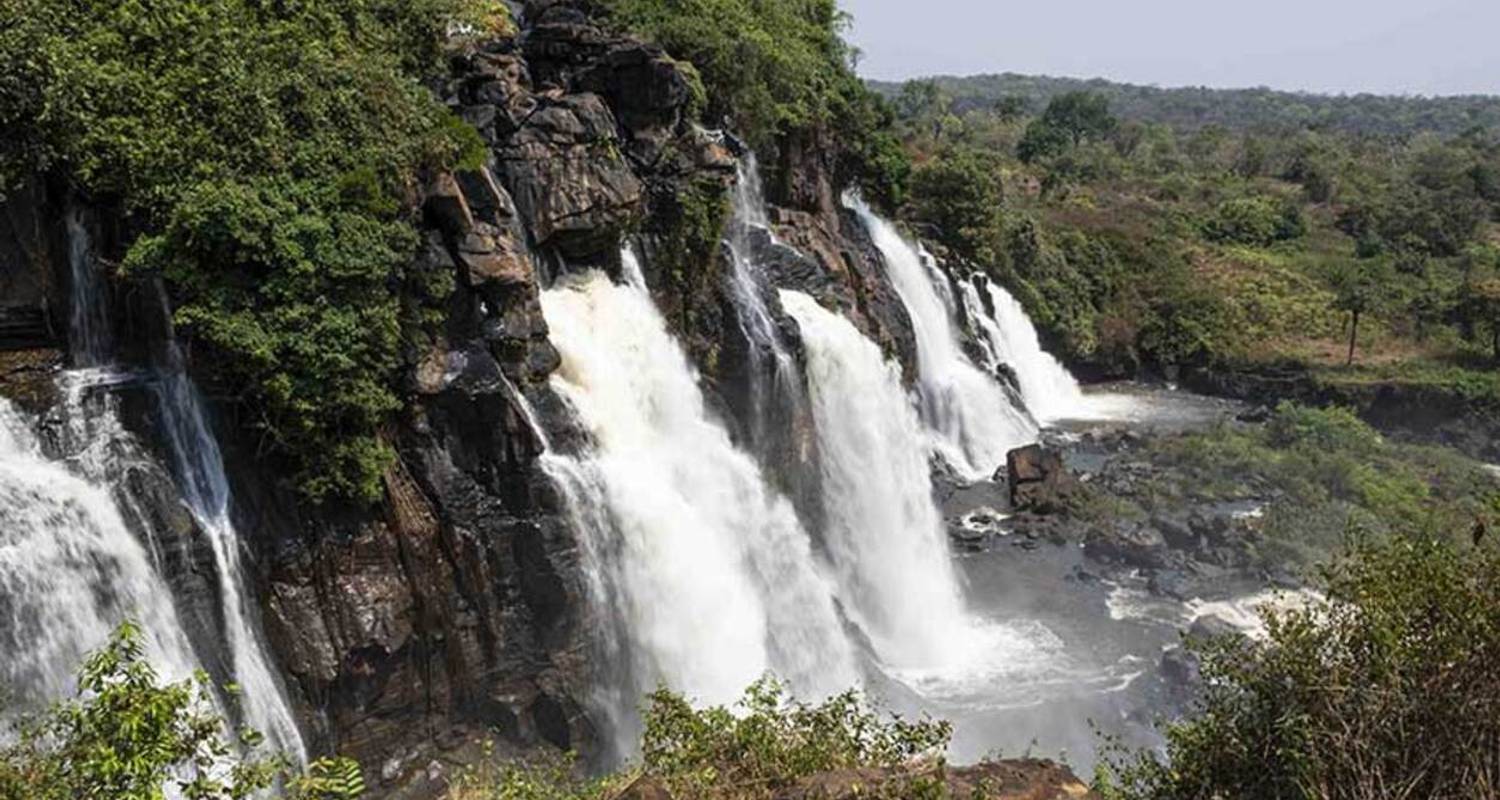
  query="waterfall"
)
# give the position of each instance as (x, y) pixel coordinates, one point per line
(90, 343)
(769, 358)
(1009, 338)
(973, 422)
(200, 470)
(885, 537)
(116, 571)
(70, 572)
(706, 571)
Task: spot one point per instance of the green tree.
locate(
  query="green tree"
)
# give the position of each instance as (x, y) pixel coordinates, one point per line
(959, 195)
(1355, 293)
(127, 737)
(1481, 304)
(1069, 120)
(1390, 687)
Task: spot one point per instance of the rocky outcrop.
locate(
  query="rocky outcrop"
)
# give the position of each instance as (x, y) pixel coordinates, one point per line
(1037, 480)
(1429, 412)
(1011, 779)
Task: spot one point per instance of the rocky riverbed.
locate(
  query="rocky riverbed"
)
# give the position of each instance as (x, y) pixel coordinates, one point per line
(1089, 605)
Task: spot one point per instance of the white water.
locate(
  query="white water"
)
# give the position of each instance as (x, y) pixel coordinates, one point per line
(205, 488)
(1009, 338)
(70, 573)
(97, 445)
(885, 535)
(973, 421)
(775, 384)
(707, 571)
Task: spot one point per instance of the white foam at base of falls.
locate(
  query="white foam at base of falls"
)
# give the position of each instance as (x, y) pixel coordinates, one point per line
(708, 571)
(972, 419)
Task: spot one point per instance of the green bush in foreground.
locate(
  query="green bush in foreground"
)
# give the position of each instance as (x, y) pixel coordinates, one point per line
(1390, 688)
(766, 743)
(127, 736)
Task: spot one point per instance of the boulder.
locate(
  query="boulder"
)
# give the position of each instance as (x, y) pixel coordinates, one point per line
(571, 183)
(1037, 480)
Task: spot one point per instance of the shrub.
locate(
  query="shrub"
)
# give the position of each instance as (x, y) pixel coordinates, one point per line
(126, 737)
(1254, 221)
(746, 753)
(1389, 688)
(774, 740)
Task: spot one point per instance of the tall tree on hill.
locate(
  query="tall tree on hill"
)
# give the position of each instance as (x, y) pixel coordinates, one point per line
(1354, 295)
(1069, 120)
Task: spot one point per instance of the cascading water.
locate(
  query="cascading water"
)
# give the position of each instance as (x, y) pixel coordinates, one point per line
(973, 421)
(100, 559)
(70, 572)
(1009, 339)
(885, 535)
(706, 570)
(205, 487)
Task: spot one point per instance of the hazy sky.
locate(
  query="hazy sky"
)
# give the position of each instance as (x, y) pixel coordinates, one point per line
(1386, 46)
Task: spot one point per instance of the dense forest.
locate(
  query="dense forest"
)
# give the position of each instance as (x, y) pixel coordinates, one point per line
(1150, 233)
(1140, 244)
(1259, 109)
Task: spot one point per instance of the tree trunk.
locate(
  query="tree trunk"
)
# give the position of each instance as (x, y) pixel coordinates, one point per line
(1353, 336)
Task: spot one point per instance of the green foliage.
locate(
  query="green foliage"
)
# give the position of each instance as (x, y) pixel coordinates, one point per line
(767, 742)
(1389, 688)
(273, 210)
(775, 68)
(772, 740)
(1067, 122)
(540, 778)
(769, 66)
(329, 779)
(959, 197)
(127, 737)
(1254, 221)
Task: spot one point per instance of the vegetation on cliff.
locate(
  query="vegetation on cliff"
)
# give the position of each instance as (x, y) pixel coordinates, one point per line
(261, 156)
(775, 70)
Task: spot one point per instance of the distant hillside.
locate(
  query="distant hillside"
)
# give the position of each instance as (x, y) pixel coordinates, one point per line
(1238, 109)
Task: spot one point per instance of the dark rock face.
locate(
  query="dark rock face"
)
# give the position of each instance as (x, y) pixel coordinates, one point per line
(33, 266)
(1037, 480)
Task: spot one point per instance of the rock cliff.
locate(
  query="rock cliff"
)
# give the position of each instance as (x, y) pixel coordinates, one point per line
(455, 605)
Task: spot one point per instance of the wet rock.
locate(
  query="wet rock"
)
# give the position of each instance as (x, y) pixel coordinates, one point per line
(1129, 543)
(1180, 666)
(1211, 626)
